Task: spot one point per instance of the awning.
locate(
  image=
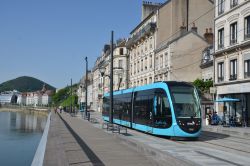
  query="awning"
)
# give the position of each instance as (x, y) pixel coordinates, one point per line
(226, 99)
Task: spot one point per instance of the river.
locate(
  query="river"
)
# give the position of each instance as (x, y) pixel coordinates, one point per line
(20, 134)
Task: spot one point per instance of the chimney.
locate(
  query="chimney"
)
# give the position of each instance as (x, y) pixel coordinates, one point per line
(183, 29)
(194, 28)
(209, 36)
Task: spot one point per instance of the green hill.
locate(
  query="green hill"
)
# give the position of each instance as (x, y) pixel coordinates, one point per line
(24, 84)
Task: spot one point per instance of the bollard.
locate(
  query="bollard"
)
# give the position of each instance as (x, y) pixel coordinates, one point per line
(88, 114)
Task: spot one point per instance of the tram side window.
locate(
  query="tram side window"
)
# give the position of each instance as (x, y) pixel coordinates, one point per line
(106, 107)
(143, 107)
(122, 107)
(126, 111)
(117, 107)
(162, 112)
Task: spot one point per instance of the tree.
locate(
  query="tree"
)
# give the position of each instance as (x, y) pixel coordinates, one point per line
(202, 85)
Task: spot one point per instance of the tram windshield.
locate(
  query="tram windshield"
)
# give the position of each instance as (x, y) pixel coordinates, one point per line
(185, 101)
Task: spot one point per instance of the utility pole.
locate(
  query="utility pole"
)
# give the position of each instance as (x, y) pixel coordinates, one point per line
(86, 88)
(111, 80)
(71, 95)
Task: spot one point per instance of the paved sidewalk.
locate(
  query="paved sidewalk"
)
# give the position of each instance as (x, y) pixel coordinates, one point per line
(73, 141)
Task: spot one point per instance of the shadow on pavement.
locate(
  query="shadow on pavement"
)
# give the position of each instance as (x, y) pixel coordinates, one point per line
(207, 136)
(91, 155)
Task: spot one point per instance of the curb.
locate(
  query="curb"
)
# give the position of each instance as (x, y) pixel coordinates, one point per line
(40, 151)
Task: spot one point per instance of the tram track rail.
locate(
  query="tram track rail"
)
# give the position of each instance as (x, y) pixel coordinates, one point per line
(223, 146)
(232, 140)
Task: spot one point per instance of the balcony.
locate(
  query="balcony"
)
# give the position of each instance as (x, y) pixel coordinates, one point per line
(233, 77)
(220, 79)
(233, 41)
(149, 28)
(247, 74)
(233, 3)
(247, 36)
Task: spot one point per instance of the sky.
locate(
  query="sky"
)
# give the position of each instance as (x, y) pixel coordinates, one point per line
(49, 39)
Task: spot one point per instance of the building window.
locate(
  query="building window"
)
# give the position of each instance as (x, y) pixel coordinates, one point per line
(131, 71)
(221, 38)
(233, 69)
(247, 27)
(233, 33)
(150, 79)
(121, 51)
(221, 5)
(145, 81)
(150, 61)
(151, 43)
(156, 63)
(247, 68)
(146, 63)
(138, 67)
(233, 3)
(166, 59)
(142, 65)
(161, 61)
(220, 71)
(120, 63)
(134, 68)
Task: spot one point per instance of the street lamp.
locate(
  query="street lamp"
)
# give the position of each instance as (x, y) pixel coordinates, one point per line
(86, 88)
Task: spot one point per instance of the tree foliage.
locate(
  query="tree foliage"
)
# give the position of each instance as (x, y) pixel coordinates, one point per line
(24, 84)
(202, 85)
(63, 97)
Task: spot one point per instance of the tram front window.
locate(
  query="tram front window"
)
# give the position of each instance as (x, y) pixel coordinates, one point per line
(185, 101)
(186, 108)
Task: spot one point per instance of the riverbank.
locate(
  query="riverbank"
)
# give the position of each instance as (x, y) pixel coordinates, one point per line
(37, 111)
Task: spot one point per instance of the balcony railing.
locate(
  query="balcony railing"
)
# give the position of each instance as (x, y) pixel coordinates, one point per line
(233, 3)
(220, 46)
(150, 27)
(233, 77)
(233, 41)
(247, 74)
(220, 11)
(247, 36)
(220, 79)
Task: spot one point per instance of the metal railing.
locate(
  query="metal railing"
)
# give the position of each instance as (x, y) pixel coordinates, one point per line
(220, 79)
(233, 41)
(247, 36)
(150, 27)
(220, 46)
(233, 3)
(233, 77)
(247, 74)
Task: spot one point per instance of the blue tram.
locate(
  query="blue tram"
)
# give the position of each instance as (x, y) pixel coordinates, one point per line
(163, 108)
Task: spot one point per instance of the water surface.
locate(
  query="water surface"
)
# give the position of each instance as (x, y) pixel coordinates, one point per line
(20, 134)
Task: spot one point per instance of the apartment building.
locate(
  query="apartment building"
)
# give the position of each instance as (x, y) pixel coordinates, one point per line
(101, 72)
(232, 58)
(81, 91)
(182, 37)
(141, 45)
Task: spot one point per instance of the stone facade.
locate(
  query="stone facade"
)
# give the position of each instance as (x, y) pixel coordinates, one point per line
(232, 58)
(101, 84)
(141, 45)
